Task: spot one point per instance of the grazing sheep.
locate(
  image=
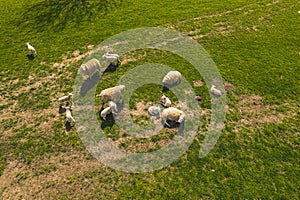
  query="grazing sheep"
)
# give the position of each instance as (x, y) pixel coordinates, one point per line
(31, 49)
(172, 79)
(65, 98)
(90, 67)
(172, 114)
(69, 117)
(213, 90)
(112, 108)
(154, 111)
(198, 98)
(166, 102)
(111, 94)
(111, 58)
(105, 112)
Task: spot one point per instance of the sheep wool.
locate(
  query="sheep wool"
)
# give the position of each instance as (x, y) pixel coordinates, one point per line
(113, 107)
(69, 116)
(172, 79)
(154, 110)
(111, 94)
(105, 112)
(31, 49)
(213, 90)
(111, 58)
(172, 114)
(65, 98)
(90, 67)
(166, 102)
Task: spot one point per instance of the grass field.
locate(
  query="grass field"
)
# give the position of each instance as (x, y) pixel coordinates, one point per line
(255, 45)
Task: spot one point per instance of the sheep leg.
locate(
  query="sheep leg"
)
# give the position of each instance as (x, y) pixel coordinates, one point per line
(165, 122)
(72, 119)
(168, 124)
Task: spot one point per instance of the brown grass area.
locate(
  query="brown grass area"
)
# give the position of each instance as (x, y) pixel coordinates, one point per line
(46, 177)
(255, 114)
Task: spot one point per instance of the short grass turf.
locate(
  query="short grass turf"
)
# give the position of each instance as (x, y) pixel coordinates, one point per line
(255, 45)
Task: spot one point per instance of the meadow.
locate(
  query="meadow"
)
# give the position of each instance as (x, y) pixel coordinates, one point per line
(255, 45)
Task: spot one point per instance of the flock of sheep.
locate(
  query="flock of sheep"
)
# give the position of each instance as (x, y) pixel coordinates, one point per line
(111, 96)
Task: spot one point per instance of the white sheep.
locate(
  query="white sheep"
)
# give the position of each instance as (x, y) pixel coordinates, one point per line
(105, 112)
(213, 90)
(31, 49)
(112, 108)
(111, 58)
(172, 79)
(65, 98)
(69, 116)
(154, 110)
(111, 94)
(90, 67)
(172, 114)
(166, 102)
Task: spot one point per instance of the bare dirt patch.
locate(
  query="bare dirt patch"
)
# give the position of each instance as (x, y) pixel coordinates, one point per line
(254, 111)
(47, 177)
(142, 108)
(198, 83)
(130, 57)
(229, 86)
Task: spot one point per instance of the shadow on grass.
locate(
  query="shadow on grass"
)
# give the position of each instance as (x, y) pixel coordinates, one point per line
(174, 124)
(111, 68)
(30, 56)
(61, 110)
(165, 89)
(109, 122)
(68, 126)
(89, 83)
(57, 14)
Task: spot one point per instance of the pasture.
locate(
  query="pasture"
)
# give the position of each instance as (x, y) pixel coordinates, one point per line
(255, 45)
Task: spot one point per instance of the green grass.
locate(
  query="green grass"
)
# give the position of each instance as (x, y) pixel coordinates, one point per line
(255, 46)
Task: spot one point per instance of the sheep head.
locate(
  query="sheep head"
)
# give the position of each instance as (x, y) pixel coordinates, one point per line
(83, 68)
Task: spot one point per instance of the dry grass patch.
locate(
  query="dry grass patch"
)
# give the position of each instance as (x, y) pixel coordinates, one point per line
(254, 111)
(46, 177)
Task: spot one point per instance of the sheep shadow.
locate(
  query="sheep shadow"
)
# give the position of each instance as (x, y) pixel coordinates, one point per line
(30, 56)
(68, 126)
(89, 83)
(109, 122)
(174, 124)
(61, 110)
(165, 89)
(111, 68)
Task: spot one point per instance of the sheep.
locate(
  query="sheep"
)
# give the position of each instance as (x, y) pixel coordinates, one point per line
(154, 111)
(213, 90)
(105, 112)
(90, 67)
(172, 79)
(111, 58)
(31, 49)
(172, 114)
(65, 98)
(166, 102)
(112, 108)
(111, 94)
(69, 117)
